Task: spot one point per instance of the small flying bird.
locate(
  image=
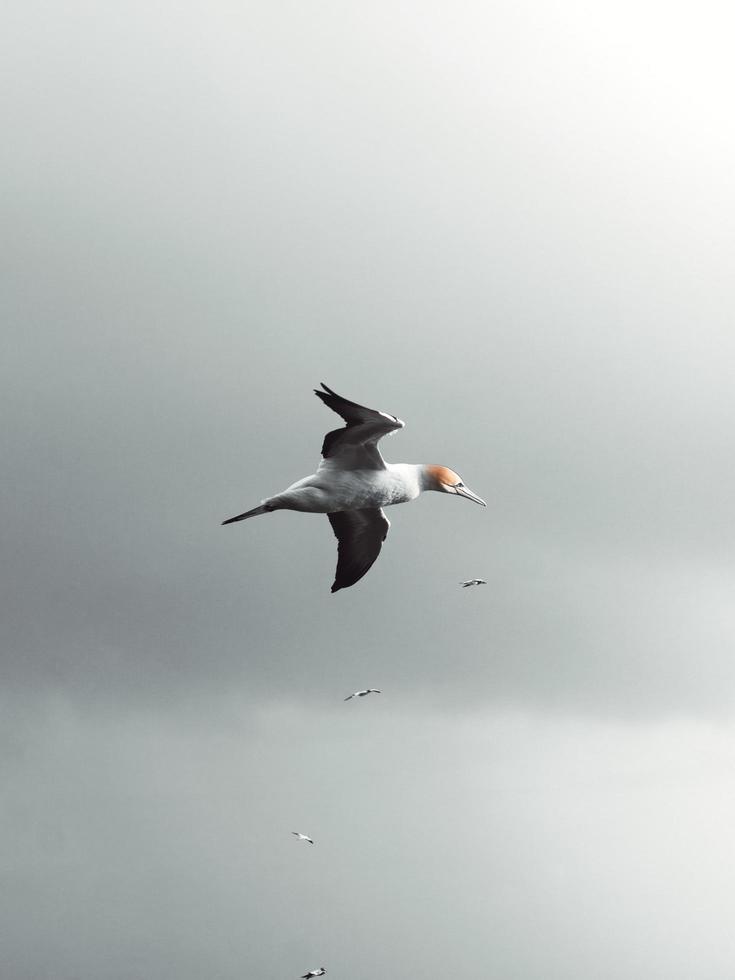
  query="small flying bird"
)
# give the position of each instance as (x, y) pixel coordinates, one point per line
(302, 836)
(313, 973)
(353, 483)
(473, 581)
(361, 694)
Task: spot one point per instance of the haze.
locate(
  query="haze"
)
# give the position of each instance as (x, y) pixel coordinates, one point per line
(512, 226)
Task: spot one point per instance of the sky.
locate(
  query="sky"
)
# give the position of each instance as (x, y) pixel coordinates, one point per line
(512, 226)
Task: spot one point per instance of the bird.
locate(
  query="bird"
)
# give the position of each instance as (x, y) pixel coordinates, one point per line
(361, 694)
(302, 836)
(313, 973)
(353, 483)
(473, 581)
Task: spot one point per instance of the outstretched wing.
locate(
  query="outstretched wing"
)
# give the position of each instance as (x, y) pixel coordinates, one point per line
(360, 534)
(356, 445)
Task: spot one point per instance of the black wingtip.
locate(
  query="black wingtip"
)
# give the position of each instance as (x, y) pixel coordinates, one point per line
(333, 393)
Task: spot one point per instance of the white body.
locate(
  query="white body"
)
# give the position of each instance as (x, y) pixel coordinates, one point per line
(333, 488)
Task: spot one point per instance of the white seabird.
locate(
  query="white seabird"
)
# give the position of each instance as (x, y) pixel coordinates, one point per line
(302, 836)
(361, 694)
(473, 581)
(313, 973)
(353, 483)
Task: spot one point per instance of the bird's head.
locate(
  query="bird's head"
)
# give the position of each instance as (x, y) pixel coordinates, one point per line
(444, 480)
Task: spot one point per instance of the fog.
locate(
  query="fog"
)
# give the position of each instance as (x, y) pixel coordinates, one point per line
(510, 226)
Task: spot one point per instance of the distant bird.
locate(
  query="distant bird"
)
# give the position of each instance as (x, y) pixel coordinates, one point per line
(302, 836)
(313, 973)
(361, 694)
(353, 483)
(473, 581)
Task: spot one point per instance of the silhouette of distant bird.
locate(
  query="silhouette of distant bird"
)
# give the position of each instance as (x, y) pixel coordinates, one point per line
(353, 483)
(361, 694)
(473, 581)
(302, 836)
(313, 973)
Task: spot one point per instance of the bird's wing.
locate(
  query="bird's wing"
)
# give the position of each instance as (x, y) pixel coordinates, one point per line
(349, 696)
(356, 445)
(360, 534)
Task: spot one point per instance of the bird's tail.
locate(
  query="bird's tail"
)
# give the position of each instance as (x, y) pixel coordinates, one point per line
(255, 512)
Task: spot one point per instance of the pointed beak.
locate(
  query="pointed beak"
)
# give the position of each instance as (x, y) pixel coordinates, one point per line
(470, 495)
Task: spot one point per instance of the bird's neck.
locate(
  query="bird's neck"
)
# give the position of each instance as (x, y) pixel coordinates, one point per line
(412, 476)
(426, 476)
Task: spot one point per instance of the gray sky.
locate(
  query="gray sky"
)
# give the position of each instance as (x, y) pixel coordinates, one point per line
(510, 225)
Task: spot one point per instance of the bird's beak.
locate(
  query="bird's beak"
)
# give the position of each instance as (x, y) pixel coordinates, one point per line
(470, 495)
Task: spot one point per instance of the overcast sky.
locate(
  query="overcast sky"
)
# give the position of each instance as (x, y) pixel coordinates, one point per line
(512, 225)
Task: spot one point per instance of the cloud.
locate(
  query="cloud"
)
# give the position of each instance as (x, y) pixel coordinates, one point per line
(509, 226)
(163, 841)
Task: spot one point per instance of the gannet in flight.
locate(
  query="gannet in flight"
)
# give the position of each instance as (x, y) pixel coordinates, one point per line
(361, 694)
(302, 836)
(353, 483)
(313, 973)
(473, 581)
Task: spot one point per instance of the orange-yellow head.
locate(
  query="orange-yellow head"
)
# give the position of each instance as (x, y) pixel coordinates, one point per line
(444, 480)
